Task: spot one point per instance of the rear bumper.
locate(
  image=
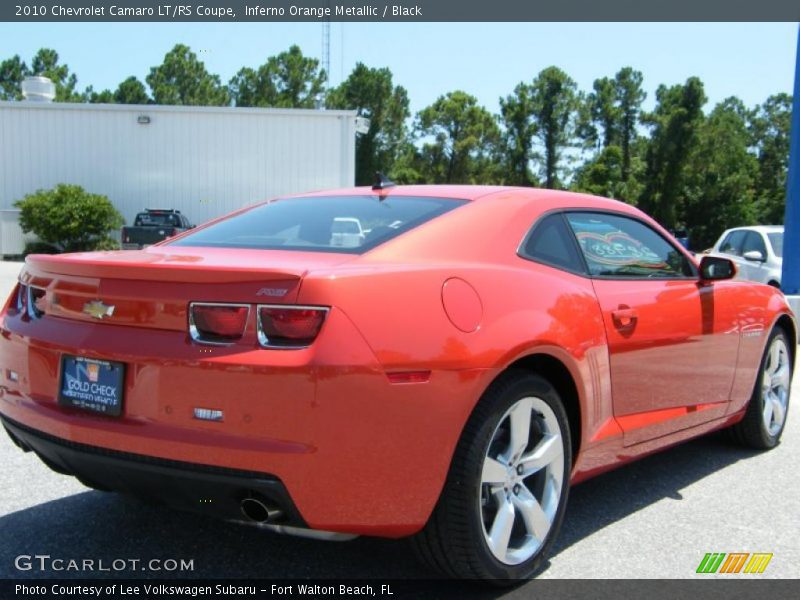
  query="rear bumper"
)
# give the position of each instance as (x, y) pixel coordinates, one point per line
(355, 453)
(204, 489)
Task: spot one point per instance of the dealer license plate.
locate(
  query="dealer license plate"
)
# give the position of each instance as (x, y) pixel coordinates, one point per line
(94, 385)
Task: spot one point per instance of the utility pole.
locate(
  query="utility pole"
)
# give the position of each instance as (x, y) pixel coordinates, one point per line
(326, 44)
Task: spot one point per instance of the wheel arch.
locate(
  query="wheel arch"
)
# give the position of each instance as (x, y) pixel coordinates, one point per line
(787, 324)
(556, 371)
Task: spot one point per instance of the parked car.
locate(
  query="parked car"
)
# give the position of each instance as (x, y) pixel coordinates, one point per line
(346, 232)
(757, 252)
(152, 226)
(449, 378)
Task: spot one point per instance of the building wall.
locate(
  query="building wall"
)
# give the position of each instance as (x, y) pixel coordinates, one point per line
(203, 161)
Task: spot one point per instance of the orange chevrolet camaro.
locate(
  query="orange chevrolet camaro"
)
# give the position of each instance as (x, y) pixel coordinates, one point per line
(440, 362)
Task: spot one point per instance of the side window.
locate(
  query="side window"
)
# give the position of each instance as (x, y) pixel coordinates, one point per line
(622, 247)
(754, 241)
(551, 242)
(733, 243)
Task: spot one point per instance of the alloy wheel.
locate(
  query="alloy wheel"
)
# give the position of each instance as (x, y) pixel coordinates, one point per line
(775, 382)
(521, 481)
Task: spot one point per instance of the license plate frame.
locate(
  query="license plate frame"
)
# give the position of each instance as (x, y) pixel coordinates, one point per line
(92, 385)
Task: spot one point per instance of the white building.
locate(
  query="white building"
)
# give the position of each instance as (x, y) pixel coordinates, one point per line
(202, 161)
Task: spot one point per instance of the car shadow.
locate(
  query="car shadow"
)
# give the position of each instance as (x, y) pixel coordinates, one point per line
(96, 525)
(637, 485)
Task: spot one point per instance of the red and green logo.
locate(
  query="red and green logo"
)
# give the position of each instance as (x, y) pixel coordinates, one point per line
(734, 562)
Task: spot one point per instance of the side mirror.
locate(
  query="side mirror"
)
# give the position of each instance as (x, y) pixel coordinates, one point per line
(716, 268)
(754, 255)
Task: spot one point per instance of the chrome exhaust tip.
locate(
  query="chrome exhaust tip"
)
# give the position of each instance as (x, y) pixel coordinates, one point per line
(259, 511)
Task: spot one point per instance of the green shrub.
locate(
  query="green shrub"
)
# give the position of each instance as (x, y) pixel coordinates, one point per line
(69, 218)
(107, 243)
(39, 248)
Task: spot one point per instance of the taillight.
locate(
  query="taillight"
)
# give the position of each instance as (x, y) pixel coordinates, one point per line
(215, 323)
(281, 326)
(35, 302)
(14, 304)
(22, 299)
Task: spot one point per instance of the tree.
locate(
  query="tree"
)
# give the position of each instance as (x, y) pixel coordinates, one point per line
(609, 118)
(372, 95)
(12, 72)
(408, 168)
(770, 125)
(605, 110)
(555, 102)
(675, 123)
(131, 91)
(464, 138)
(289, 80)
(249, 88)
(630, 96)
(183, 79)
(601, 176)
(517, 118)
(721, 175)
(46, 64)
(69, 218)
(613, 108)
(104, 97)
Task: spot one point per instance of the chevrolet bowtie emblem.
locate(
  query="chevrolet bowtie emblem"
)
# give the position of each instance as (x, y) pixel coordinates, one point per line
(97, 309)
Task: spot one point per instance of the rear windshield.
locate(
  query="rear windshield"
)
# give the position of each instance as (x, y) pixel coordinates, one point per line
(351, 224)
(156, 219)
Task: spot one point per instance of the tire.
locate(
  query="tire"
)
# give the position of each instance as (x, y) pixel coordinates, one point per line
(765, 418)
(493, 521)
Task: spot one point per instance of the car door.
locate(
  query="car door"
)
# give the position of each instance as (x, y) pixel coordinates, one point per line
(672, 344)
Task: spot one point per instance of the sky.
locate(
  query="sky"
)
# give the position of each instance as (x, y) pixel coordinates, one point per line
(748, 60)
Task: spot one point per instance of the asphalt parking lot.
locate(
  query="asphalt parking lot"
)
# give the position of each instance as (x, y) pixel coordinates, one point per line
(652, 519)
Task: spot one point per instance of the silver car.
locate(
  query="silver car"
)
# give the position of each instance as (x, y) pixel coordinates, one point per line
(757, 252)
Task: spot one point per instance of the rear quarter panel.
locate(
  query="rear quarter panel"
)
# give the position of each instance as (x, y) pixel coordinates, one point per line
(525, 307)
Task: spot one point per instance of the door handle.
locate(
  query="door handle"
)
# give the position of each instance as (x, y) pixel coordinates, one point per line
(624, 317)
